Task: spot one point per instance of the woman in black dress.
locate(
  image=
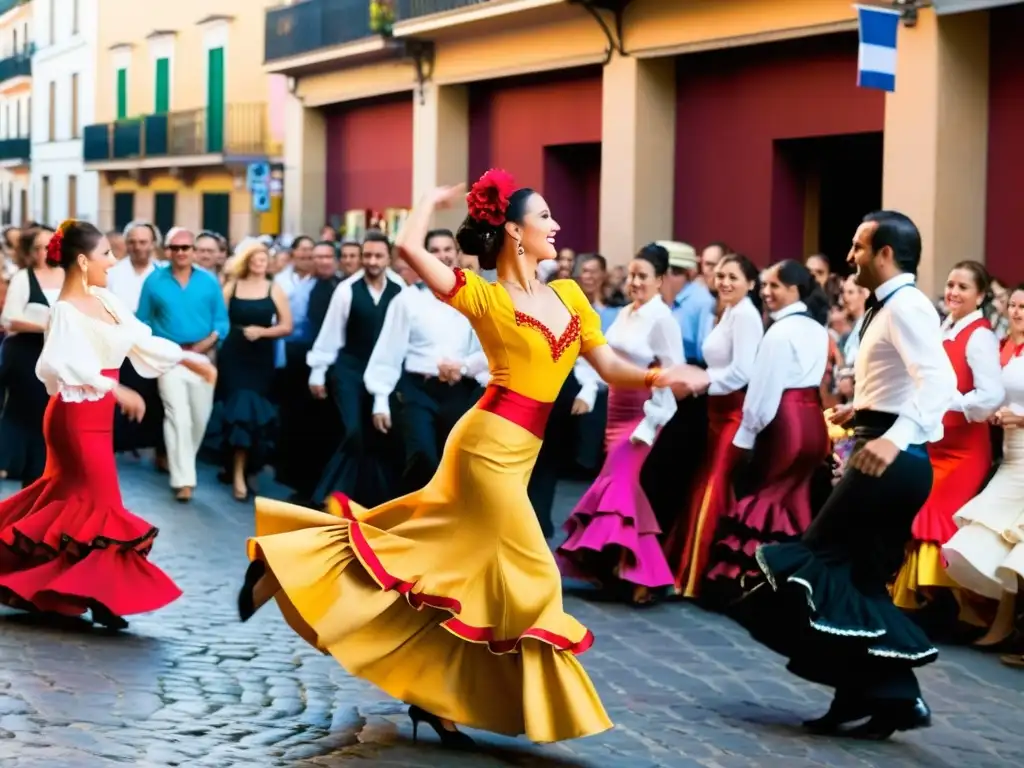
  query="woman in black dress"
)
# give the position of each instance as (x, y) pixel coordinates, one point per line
(244, 420)
(25, 314)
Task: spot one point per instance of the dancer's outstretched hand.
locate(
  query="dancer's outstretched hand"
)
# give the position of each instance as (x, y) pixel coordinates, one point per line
(131, 403)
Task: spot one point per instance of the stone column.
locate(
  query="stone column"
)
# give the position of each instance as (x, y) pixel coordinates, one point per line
(936, 138)
(305, 169)
(638, 146)
(440, 136)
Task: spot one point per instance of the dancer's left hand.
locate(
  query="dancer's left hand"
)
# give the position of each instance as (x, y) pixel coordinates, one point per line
(684, 380)
(875, 457)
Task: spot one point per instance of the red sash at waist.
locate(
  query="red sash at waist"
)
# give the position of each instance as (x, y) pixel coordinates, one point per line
(112, 373)
(531, 415)
(803, 396)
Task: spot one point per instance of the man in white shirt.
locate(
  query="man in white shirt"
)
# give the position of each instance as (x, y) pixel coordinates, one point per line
(428, 353)
(362, 467)
(825, 604)
(125, 281)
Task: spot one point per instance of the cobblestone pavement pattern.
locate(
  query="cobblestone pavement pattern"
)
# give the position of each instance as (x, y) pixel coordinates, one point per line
(191, 686)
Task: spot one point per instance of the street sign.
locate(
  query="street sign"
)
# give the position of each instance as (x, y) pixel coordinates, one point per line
(257, 173)
(260, 193)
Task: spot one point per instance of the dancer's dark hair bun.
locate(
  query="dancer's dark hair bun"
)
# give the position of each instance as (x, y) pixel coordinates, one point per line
(73, 237)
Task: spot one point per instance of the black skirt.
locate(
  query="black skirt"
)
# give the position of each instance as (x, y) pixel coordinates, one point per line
(22, 448)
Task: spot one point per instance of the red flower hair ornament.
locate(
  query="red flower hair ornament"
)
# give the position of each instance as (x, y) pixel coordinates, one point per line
(53, 248)
(488, 197)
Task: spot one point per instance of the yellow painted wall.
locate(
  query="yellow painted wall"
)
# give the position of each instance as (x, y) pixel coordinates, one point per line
(189, 203)
(131, 21)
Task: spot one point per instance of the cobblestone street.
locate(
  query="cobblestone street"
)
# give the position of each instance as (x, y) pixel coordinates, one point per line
(192, 686)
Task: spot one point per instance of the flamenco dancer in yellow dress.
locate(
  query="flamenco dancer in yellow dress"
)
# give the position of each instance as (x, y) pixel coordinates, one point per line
(449, 598)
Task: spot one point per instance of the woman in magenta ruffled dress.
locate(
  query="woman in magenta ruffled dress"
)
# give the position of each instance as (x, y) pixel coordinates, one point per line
(612, 535)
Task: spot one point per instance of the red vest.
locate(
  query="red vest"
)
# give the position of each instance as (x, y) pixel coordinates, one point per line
(956, 351)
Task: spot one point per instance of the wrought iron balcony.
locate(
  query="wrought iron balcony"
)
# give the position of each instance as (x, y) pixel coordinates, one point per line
(15, 149)
(18, 65)
(414, 9)
(153, 139)
(311, 25)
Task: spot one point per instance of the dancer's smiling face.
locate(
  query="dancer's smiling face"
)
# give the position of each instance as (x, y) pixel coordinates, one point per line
(1015, 311)
(963, 295)
(97, 262)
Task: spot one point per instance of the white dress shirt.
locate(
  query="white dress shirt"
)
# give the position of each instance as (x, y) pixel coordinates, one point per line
(793, 355)
(644, 335)
(983, 360)
(729, 350)
(419, 331)
(125, 282)
(331, 339)
(17, 306)
(902, 367)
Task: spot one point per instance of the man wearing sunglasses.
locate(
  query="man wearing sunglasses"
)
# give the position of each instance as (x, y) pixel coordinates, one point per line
(184, 304)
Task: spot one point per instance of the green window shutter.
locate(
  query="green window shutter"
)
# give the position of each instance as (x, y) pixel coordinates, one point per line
(163, 86)
(215, 101)
(122, 93)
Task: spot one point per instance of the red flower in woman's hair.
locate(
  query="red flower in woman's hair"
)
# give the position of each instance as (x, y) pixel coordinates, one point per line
(53, 248)
(488, 198)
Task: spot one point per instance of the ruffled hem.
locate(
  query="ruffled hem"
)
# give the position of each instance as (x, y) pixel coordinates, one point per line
(418, 600)
(245, 421)
(605, 546)
(841, 625)
(923, 568)
(68, 556)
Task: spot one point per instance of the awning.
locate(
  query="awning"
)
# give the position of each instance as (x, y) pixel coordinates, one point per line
(943, 7)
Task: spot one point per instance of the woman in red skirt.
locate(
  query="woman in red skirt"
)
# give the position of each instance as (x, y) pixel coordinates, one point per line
(67, 544)
(963, 458)
(783, 435)
(729, 351)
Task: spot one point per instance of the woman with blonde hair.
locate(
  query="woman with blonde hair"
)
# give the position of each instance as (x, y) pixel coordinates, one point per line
(244, 421)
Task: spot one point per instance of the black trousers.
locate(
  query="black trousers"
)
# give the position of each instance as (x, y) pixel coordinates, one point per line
(429, 410)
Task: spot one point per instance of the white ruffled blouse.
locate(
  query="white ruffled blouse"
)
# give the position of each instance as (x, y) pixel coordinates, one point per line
(78, 348)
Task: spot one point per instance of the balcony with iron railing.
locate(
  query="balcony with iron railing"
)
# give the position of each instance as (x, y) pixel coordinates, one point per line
(186, 136)
(312, 25)
(15, 151)
(406, 10)
(18, 64)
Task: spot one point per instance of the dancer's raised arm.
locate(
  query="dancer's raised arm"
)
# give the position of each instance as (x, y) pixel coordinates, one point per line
(439, 277)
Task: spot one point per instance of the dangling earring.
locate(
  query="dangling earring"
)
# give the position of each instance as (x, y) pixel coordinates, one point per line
(520, 251)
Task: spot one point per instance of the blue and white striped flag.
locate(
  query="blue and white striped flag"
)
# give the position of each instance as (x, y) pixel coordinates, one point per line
(876, 60)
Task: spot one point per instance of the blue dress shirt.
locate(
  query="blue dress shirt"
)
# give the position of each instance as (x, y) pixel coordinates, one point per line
(694, 310)
(184, 314)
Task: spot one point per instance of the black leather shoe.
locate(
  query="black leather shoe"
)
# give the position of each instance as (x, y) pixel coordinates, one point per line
(841, 712)
(894, 716)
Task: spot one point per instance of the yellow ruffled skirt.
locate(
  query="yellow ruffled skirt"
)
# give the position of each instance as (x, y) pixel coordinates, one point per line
(447, 598)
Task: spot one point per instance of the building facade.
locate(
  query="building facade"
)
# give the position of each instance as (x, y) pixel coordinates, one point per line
(16, 45)
(64, 79)
(705, 120)
(182, 110)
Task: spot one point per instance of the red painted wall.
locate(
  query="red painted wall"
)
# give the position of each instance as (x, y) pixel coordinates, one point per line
(1005, 201)
(515, 123)
(732, 106)
(369, 155)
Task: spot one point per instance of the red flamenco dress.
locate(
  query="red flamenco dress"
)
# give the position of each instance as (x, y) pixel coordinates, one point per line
(960, 461)
(67, 544)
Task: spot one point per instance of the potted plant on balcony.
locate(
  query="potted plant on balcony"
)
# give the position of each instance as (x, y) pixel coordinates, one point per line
(382, 16)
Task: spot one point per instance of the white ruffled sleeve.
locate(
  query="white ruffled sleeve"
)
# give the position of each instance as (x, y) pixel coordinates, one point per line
(68, 365)
(666, 340)
(150, 356)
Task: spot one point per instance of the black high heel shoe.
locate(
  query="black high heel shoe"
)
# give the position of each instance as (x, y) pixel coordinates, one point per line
(449, 739)
(246, 601)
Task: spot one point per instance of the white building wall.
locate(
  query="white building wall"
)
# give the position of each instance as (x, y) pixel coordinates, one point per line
(56, 61)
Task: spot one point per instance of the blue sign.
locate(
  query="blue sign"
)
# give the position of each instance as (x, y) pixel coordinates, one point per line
(260, 192)
(876, 60)
(257, 173)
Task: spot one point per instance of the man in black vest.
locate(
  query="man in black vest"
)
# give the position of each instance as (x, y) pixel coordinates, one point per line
(365, 465)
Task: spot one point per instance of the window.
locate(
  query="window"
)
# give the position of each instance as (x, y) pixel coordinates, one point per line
(122, 94)
(215, 101)
(53, 111)
(217, 212)
(53, 22)
(46, 202)
(163, 86)
(72, 197)
(74, 17)
(74, 105)
(124, 209)
(163, 210)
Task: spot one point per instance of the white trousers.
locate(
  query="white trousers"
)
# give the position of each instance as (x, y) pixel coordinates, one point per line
(188, 402)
